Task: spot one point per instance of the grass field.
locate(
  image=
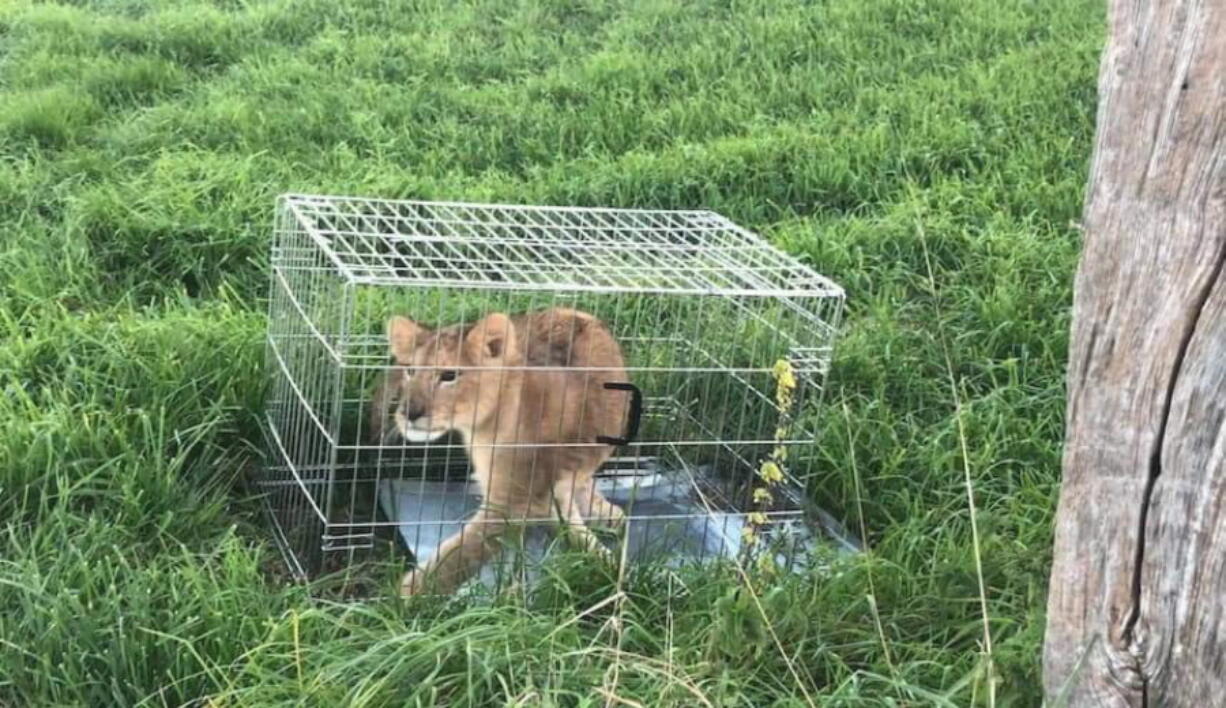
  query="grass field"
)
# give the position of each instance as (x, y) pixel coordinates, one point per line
(928, 156)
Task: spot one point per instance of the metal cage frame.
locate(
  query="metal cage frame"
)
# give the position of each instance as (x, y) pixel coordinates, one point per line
(706, 311)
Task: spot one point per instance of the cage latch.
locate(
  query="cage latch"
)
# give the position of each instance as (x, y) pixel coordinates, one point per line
(636, 412)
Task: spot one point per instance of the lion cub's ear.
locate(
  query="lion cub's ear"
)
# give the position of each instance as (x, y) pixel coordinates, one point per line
(403, 335)
(491, 339)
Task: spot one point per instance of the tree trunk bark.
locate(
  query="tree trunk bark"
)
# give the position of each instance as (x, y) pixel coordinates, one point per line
(1137, 605)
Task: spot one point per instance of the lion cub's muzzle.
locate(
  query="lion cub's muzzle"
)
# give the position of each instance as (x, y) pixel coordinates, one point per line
(415, 425)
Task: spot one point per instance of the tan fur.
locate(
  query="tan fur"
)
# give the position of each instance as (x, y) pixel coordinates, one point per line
(520, 415)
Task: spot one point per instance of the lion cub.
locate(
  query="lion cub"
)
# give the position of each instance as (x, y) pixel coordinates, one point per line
(527, 396)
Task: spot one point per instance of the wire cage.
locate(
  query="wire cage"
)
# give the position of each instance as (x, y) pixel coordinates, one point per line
(697, 424)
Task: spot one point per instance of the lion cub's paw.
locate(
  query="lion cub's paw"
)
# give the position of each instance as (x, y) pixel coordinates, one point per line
(413, 583)
(608, 514)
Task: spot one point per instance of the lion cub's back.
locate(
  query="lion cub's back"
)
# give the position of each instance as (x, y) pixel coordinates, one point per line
(564, 337)
(573, 405)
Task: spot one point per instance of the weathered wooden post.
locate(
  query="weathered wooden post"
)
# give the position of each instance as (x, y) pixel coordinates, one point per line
(1137, 606)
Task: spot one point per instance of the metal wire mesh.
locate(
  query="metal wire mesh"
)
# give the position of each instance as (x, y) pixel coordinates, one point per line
(703, 314)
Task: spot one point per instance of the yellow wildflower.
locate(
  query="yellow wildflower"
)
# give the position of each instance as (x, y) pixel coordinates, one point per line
(770, 472)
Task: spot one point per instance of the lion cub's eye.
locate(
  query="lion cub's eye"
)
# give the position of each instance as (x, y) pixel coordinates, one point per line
(448, 376)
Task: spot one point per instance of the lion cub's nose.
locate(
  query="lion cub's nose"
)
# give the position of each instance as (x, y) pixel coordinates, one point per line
(413, 412)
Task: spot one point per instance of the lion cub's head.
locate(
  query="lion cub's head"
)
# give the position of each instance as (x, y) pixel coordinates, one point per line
(447, 379)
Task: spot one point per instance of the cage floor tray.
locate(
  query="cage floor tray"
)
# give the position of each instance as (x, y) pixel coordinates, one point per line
(667, 522)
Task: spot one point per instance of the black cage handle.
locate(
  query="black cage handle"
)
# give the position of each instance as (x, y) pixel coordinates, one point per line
(636, 412)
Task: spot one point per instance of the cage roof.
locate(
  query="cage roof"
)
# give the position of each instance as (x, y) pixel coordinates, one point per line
(448, 244)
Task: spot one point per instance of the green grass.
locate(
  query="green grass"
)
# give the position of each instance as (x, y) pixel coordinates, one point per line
(142, 144)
